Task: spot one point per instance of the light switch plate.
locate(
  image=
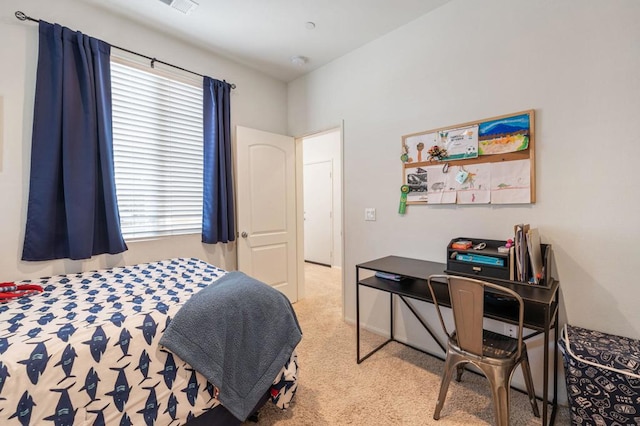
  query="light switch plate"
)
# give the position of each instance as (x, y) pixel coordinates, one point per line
(369, 213)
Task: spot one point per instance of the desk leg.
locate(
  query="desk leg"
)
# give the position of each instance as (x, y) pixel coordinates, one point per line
(550, 317)
(391, 317)
(554, 401)
(545, 368)
(552, 420)
(358, 315)
(358, 359)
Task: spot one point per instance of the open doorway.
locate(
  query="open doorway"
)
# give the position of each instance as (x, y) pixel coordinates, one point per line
(322, 194)
(322, 208)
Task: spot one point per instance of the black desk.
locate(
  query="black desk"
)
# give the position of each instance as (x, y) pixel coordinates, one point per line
(540, 308)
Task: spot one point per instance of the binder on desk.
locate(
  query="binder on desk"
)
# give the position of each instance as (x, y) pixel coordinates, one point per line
(512, 263)
(522, 254)
(535, 254)
(546, 264)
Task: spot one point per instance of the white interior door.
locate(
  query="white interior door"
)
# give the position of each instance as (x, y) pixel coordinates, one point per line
(318, 212)
(266, 201)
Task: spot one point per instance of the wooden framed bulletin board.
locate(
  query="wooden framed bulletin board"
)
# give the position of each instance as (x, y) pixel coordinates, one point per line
(490, 161)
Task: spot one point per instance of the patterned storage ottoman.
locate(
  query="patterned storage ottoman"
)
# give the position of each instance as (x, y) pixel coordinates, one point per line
(603, 377)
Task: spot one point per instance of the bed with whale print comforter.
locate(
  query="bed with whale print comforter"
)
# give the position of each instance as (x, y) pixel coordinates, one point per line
(86, 352)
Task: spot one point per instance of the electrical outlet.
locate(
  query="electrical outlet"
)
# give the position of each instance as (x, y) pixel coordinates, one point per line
(511, 330)
(369, 213)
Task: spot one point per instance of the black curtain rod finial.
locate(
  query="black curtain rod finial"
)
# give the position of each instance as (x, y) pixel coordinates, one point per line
(24, 17)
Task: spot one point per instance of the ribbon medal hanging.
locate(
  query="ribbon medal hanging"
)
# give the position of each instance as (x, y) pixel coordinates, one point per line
(404, 190)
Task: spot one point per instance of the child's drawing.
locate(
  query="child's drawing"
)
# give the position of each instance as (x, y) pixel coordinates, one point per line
(511, 182)
(504, 135)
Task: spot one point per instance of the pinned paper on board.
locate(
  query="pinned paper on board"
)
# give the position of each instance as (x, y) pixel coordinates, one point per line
(417, 146)
(476, 187)
(509, 134)
(511, 182)
(460, 143)
(416, 180)
(440, 189)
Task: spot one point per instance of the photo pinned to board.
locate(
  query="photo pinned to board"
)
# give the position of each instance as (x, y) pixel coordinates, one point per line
(416, 179)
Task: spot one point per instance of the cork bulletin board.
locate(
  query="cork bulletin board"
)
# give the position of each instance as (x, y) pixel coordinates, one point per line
(489, 161)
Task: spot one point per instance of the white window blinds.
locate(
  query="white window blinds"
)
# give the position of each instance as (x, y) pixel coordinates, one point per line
(157, 139)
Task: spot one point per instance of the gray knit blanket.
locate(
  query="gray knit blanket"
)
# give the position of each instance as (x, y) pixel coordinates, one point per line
(238, 333)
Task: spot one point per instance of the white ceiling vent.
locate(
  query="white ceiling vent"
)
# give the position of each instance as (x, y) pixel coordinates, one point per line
(184, 6)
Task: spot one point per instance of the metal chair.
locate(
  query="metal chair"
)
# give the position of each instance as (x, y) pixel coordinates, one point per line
(496, 355)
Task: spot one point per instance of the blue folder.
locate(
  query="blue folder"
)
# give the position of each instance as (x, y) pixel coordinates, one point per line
(481, 259)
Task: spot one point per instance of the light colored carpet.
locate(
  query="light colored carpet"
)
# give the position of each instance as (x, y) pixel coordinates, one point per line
(395, 386)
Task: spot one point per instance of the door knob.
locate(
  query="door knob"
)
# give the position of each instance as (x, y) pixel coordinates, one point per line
(244, 234)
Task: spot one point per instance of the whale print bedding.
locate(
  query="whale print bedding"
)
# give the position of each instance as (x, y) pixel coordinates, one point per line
(85, 351)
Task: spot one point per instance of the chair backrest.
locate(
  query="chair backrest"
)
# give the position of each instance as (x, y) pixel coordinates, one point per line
(467, 304)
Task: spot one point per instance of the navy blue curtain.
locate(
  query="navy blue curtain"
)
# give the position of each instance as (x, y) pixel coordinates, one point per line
(218, 220)
(72, 210)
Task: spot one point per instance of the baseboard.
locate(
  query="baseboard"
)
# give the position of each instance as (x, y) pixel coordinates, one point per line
(363, 326)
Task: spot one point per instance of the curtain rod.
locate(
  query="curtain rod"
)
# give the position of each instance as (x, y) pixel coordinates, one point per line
(23, 17)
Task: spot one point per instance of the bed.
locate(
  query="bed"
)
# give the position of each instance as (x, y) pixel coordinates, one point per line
(86, 351)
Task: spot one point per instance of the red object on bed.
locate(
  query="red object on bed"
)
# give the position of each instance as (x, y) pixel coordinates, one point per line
(11, 290)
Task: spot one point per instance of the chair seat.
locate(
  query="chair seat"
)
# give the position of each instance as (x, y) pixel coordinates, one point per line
(498, 345)
(495, 345)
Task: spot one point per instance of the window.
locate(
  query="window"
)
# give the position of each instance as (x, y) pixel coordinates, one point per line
(157, 140)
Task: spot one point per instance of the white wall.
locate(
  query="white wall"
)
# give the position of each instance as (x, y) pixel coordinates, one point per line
(259, 102)
(326, 146)
(576, 63)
